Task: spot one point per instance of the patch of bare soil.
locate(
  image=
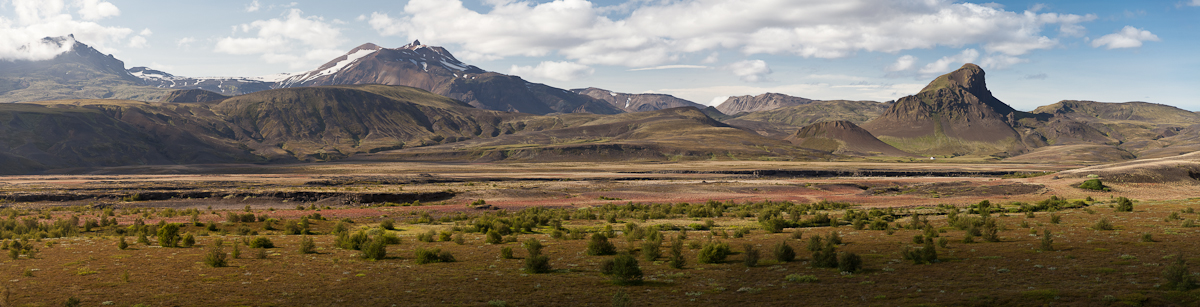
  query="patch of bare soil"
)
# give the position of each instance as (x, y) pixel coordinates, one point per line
(957, 189)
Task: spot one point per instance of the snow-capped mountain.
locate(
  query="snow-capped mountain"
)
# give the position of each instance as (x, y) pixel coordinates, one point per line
(224, 85)
(637, 102)
(434, 69)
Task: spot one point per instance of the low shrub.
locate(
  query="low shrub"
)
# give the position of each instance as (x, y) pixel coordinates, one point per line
(751, 253)
(784, 252)
(849, 262)
(650, 250)
(801, 278)
(1178, 275)
(1093, 184)
(676, 260)
(215, 257)
(506, 252)
(713, 252)
(623, 270)
(599, 245)
(375, 249)
(307, 246)
(261, 242)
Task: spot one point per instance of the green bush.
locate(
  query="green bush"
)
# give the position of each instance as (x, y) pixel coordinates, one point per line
(188, 240)
(215, 257)
(801, 278)
(713, 252)
(122, 245)
(784, 252)
(375, 249)
(849, 262)
(599, 245)
(168, 235)
(676, 260)
(826, 256)
(493, 237)
(1124, 205)
(388, 224)
(307, 246)
(261, 242)
(1103, 224)
(506, 252)
(650, 250)
(623, 270)
(1093, 184)
(751, 253)
(432, 255)
(1047, 242)
(1178, 275)
(536, 262)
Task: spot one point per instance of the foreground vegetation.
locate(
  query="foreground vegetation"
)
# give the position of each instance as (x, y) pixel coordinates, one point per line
(1055, 251)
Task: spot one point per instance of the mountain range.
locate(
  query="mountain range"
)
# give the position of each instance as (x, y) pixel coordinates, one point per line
(84, 109)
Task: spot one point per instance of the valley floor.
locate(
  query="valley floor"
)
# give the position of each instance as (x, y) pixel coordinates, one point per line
(1087, 265)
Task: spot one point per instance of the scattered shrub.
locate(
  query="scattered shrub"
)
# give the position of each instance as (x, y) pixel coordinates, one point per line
(751, 259)
(599, 245)
(261, 242)
(168, 235)
(260, 253)
(1055, 218)
(506, 252)
(801, 278)
(784, 252)
(307, 246)
(215, 257)
(849, 262)
(1146, 237)
(713, 252)
(188, 240)
(623, 270)
(493, 237)
(1124, 205)
(1093, 184)
(536, 262)
(1178, 275)
(122, 245)
(650, 250)
(425, 256)
(388, 224)
(1103, 224)
(375, 249)
(1047, 241)
(676, 259)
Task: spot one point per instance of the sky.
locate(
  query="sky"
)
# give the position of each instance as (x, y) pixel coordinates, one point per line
(1034, 53)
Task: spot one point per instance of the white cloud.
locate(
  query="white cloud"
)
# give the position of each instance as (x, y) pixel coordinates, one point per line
(905, 62)
(750, 70)
(1000, 61)
(1128, 37)
(714, 57)
(138, 42)
(96, 9)
(281, 40)
(659, 32)
(670, 67)
(559, 71)
(1194, 3)
(185, 42)
(146, 32)
(21, 39)
(943, 65)
(253, 6)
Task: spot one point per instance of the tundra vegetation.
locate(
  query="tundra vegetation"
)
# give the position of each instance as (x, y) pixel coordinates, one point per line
(713, 253)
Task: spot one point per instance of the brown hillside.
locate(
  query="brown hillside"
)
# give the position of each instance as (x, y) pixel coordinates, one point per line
(192, 95)
(768, 101)
(843, 137)
(637, 102)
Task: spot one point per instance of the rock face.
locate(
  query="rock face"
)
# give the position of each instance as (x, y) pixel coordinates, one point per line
(955, 105)
(769, 101)
(434, 69)
(843, 137)
(637, 102)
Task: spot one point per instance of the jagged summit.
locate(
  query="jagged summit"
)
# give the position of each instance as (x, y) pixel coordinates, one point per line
(956, 105)
(416, 43)
(636, 102)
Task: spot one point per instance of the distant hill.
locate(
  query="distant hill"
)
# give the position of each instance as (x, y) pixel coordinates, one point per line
(670, 134)
(843, 138)
(434, 69)
(784, 122)
(192, 95)
(222, 85)
(955, 114)
(768, 101)
(80, 73)
(637, 102)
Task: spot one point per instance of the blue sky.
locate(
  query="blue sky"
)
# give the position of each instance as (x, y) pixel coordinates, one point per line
(1035, 53)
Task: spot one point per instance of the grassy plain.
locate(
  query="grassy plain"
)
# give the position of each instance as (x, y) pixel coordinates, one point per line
(1084, 267)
